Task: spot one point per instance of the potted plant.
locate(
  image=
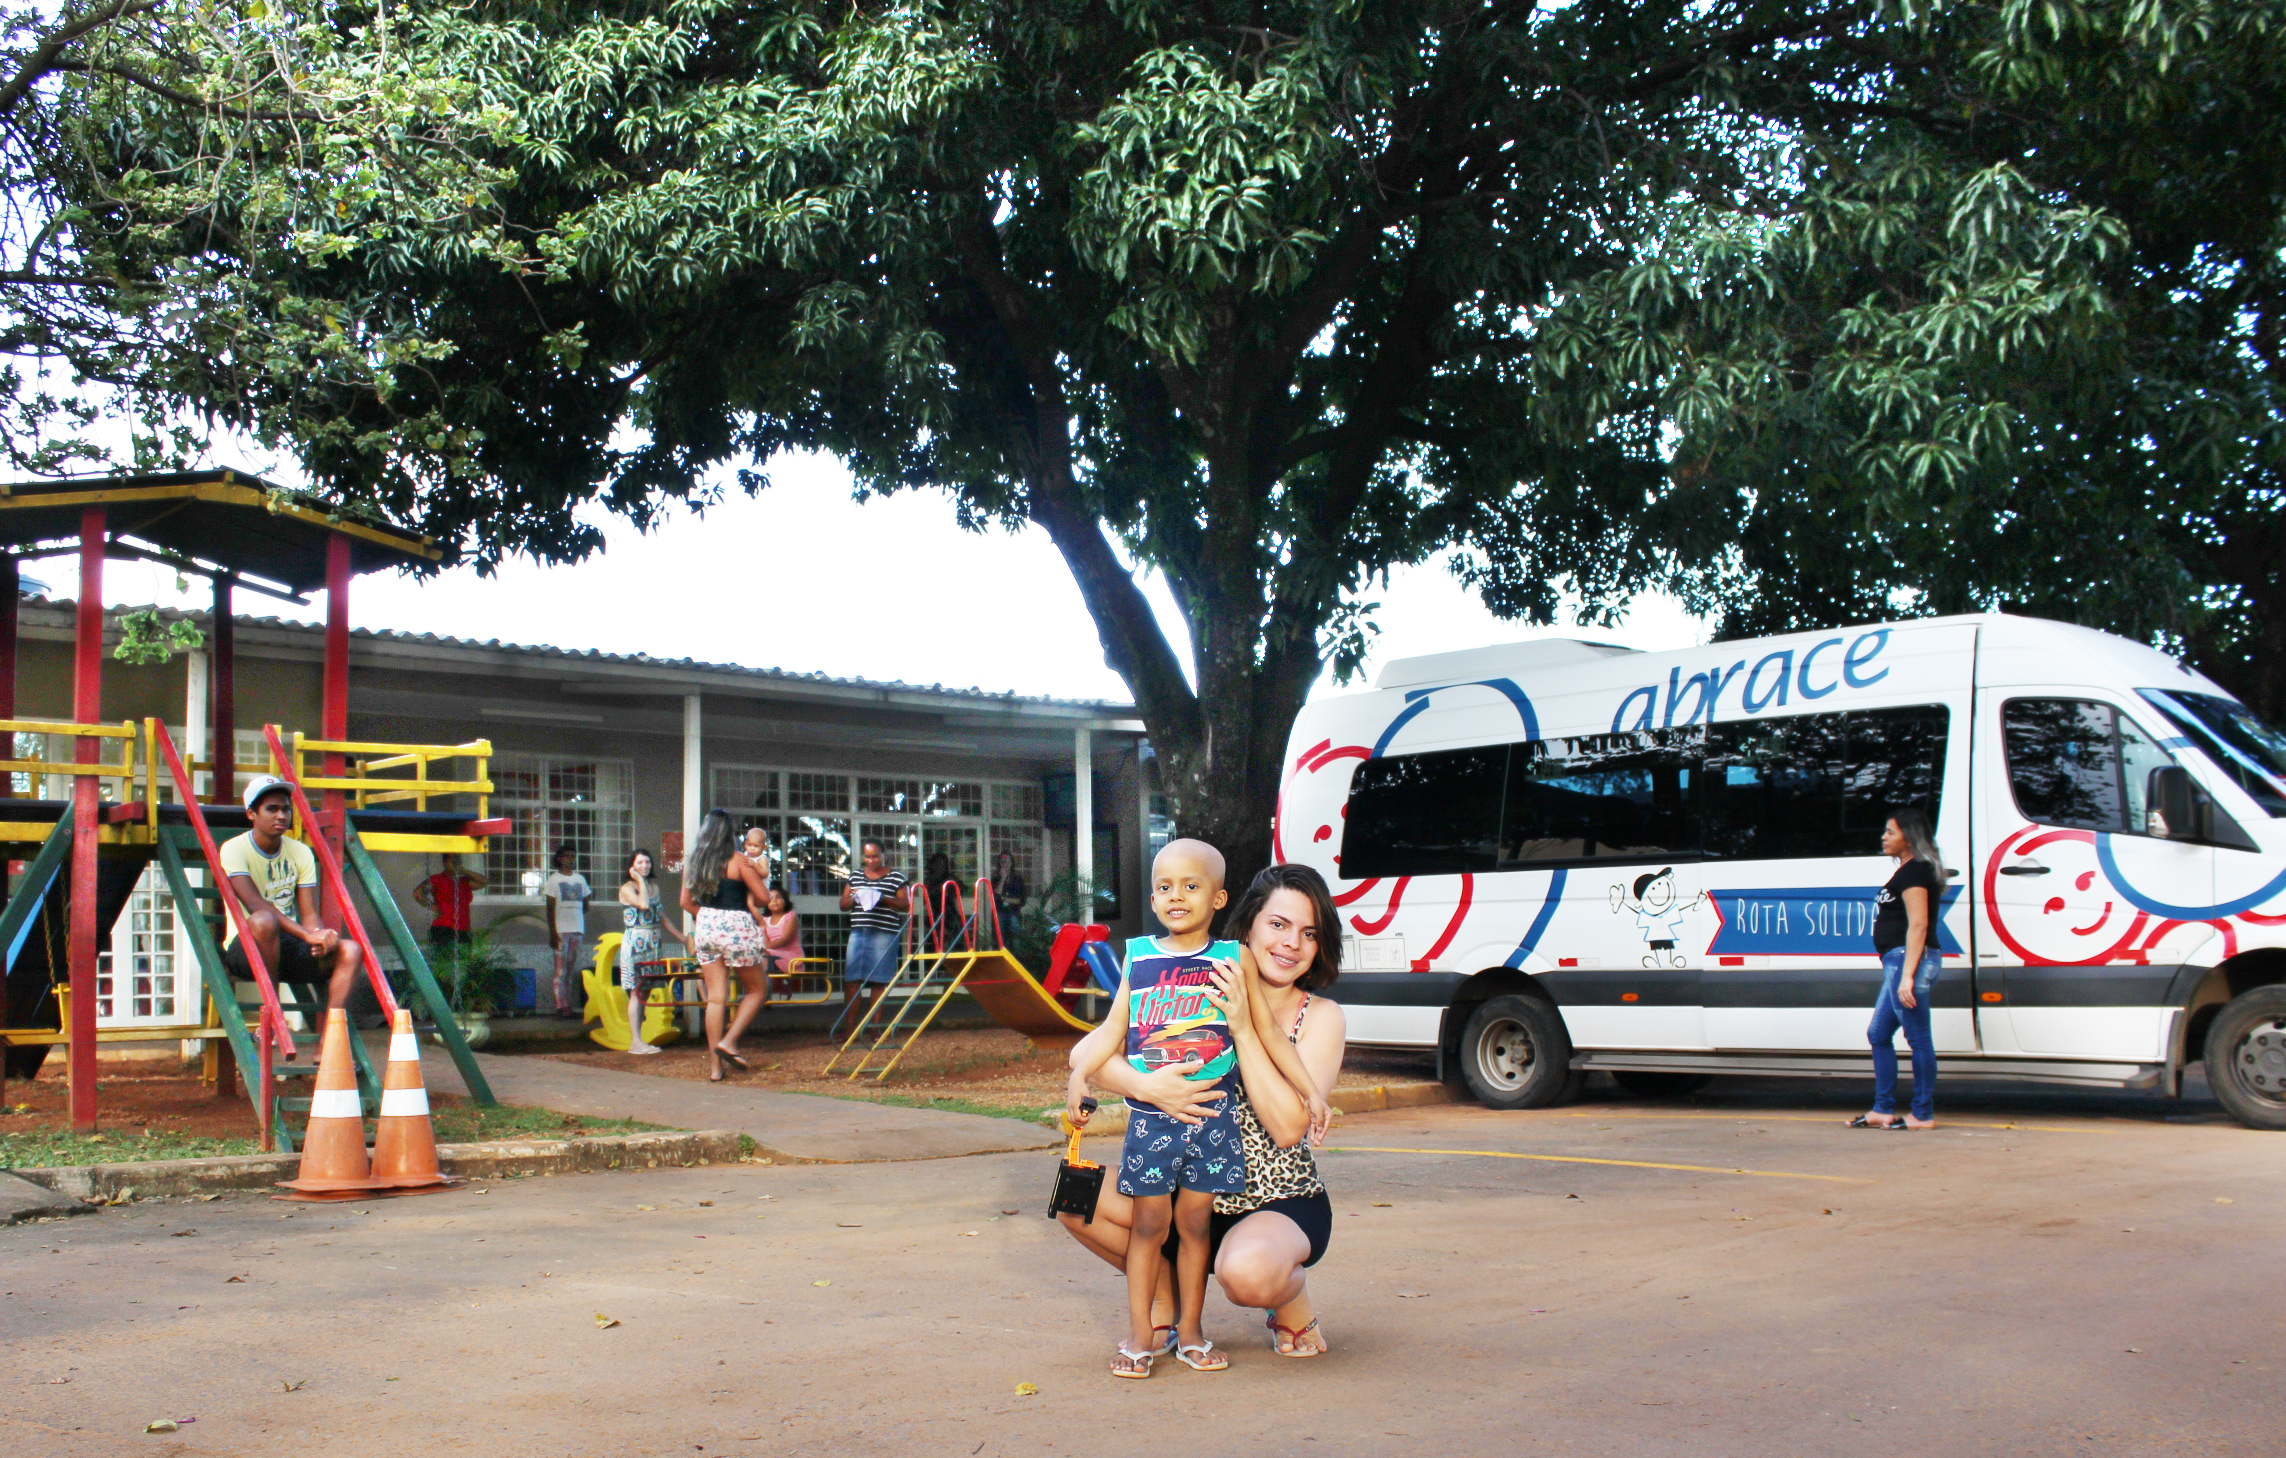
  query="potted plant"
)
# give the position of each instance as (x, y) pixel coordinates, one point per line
(478, 980)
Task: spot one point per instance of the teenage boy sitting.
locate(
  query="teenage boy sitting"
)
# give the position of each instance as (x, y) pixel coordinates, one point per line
(275, 883)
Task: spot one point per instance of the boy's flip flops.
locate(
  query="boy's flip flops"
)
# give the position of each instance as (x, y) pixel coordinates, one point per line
(1202, 1358)
(1132, 1364)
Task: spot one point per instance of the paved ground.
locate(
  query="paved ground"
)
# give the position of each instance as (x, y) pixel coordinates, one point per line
(1738, 1275)
(792, 1126)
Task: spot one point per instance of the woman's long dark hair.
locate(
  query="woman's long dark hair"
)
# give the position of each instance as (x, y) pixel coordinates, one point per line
(1326, 965)
(717, 839)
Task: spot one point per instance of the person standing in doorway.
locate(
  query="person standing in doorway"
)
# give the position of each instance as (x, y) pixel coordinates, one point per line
(1904, 934)
(567, 894)
(450, 896)
(877, 903)
(1008, 892)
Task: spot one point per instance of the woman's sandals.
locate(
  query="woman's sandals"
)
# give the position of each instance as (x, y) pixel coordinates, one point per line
(1292, 1345)
(1137, 1365)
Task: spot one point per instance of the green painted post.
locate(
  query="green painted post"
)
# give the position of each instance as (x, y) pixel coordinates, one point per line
(424, 981)
(34, 887)
(219, 986)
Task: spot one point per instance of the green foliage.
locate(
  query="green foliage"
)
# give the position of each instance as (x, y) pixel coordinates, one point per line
(146, 638)
(477, 977)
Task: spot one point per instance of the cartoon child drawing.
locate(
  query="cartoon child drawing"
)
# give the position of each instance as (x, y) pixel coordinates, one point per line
(1659, 911)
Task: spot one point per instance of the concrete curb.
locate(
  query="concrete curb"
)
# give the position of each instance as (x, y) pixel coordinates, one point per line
(500, 1159)
(1111, 1119)
(22, 1200)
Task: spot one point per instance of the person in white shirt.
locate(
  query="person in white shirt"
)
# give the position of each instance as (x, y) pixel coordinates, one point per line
(274, 880)
(568, 893)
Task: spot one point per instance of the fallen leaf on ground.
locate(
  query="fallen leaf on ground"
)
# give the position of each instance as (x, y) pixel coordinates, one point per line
(1011, 1212)
(850, 1224)
(178, 1234)
(1027, 1389)
(1381, 1205)
(603, 1322)
(706, 1202)
(968, 1232)
(54, 1380)
(646, 1207)
(161, 1425)
(821, 1283)
(235, 1281)
(293, 1386)
(2223, 1200)
(210, 1197)
(1410, 1295)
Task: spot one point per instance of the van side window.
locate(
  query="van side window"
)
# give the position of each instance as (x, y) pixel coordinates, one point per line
(2078, 763)
(1600, 796)
(1424, 814)
(1815, 785)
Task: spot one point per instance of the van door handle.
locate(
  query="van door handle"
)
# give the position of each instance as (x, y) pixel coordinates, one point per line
(2029, 868)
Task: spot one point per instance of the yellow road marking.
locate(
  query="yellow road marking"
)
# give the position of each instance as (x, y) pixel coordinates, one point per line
(1768, 1174)
(1825, 1119)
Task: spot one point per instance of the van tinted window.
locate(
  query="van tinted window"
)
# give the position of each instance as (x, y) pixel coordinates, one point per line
(1605, 795)
(1424, 814)
(2078, 763)
(1763, 789)
(1819, 784)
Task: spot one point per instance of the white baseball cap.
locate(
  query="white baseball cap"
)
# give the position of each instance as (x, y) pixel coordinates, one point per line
(262, 785)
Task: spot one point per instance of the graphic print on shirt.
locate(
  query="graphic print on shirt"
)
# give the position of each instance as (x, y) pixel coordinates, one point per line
(1169, 1019)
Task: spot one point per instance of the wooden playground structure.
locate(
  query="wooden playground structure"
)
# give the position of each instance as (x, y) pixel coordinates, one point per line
(134, 798)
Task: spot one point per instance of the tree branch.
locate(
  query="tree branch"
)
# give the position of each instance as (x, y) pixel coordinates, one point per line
(43, 58)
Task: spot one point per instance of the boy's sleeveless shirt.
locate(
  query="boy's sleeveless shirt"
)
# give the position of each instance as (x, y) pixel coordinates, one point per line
(1169, 1019)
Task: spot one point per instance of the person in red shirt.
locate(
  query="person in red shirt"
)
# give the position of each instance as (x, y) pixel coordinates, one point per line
(449, 894)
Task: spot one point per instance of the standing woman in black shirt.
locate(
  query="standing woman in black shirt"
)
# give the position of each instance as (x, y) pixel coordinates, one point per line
(1904, 934)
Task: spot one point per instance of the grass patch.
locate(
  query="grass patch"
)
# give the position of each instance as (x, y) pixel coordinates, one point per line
(946, 1105)
(456, 1123)
(472, 1123)
(37, 1147)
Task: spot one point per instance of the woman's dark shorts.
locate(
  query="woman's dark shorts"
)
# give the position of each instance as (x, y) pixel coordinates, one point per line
(1314, 1213)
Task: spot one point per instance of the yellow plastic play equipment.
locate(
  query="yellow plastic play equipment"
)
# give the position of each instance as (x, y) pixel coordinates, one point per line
(607, 1002)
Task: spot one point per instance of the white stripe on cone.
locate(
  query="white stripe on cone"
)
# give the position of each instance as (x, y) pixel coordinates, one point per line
(335, 1103)
(399, 1103)
(404, 1048)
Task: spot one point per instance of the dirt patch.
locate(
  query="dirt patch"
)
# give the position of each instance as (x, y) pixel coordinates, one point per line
(135, 1097)
(987, 1070)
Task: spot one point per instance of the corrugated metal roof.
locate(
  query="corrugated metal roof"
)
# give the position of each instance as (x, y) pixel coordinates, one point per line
(1111, 708)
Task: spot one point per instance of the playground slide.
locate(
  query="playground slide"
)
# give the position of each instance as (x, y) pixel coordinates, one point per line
(1014, 999)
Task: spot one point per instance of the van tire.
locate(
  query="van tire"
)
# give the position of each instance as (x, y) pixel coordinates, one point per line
(1647, 1085)
(2246, 1057)
(1515, 1054)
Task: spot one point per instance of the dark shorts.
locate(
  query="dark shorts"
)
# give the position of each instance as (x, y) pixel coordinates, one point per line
(1314, 1213)
(297, 962)
(1162, 1154)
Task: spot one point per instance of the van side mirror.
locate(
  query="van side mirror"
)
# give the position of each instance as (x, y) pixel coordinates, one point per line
(2175, 804)
(2180, 810)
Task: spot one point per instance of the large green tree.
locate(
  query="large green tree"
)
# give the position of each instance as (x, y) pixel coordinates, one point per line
(1246, 294)
(2022, 344)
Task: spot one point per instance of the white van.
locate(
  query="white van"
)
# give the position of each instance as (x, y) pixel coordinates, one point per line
(1559, 856)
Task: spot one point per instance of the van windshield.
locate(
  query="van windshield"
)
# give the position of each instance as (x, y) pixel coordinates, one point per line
(2240, 743)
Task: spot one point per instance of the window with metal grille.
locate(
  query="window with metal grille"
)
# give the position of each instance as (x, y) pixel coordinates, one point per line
(588, 804)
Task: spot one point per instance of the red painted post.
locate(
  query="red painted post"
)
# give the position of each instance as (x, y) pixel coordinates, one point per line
(11, 585)
(86, 708)
(334, 716)
(224, 733)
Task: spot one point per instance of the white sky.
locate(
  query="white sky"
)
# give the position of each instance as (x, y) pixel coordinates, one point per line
(777, 580)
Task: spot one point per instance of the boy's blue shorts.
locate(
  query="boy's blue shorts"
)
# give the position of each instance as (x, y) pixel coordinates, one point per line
(1163, 1154)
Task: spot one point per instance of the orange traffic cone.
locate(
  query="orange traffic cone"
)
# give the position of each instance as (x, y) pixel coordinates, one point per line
(333, 1147)
(405, 1143)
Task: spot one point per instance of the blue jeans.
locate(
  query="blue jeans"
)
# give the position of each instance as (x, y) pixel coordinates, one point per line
(872, 956)
(1888, 1016)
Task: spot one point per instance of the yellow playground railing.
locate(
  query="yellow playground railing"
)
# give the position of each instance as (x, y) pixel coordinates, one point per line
(368, 781)
(123, 770)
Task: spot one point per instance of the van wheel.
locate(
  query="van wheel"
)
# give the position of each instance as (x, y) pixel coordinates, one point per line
(2246, 1057)
(1660, 1085)
(1516, 1055)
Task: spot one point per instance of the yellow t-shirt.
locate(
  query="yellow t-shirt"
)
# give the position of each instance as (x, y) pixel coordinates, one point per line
(277, 877)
